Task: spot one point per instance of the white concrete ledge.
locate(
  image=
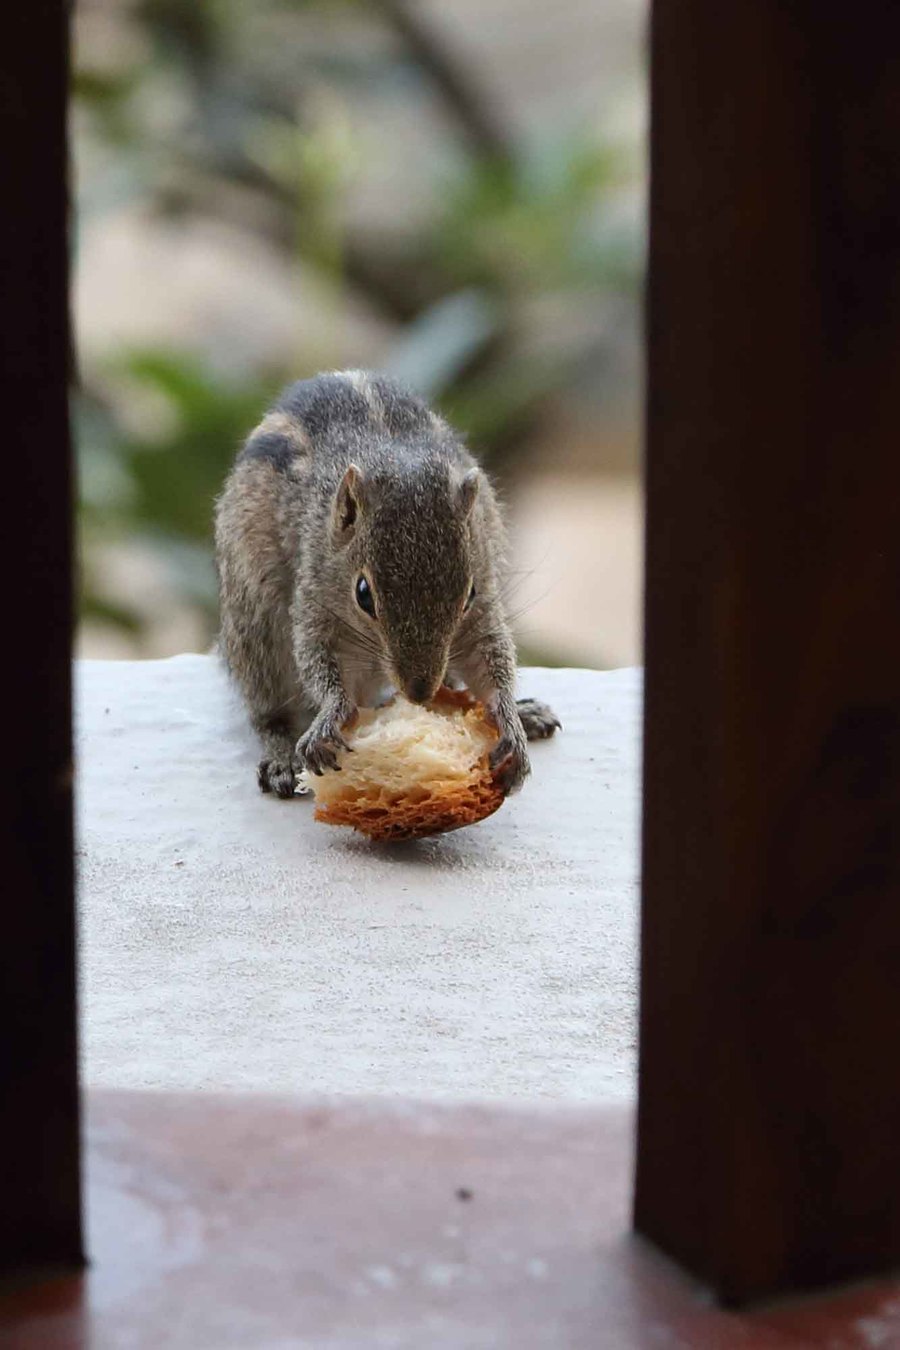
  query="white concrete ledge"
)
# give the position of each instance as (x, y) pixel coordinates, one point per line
(230, 942)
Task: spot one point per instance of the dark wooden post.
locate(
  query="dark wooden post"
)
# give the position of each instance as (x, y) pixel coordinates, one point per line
(769, 1121)
(39, 1175)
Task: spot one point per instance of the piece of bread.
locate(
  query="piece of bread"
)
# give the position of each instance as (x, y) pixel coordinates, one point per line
(413, 770)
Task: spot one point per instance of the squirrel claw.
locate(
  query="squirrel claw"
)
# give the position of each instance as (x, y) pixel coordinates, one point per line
(319, 749)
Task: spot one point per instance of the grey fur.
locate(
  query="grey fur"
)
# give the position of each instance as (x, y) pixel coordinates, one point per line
(351, 475)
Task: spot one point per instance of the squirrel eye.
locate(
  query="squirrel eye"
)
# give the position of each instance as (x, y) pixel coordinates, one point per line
(471, 597)
(364, 597)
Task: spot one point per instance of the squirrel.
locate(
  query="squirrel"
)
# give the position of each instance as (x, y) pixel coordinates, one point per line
(360, 549)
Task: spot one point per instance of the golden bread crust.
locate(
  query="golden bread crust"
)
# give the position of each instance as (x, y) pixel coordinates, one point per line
(424, 810)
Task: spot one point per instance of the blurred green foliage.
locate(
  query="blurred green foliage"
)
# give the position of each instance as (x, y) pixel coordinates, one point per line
(220, 110)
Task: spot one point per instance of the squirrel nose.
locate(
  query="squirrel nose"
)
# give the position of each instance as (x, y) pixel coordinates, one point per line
(418, 691)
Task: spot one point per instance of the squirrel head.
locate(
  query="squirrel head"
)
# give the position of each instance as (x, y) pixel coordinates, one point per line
(407, 566)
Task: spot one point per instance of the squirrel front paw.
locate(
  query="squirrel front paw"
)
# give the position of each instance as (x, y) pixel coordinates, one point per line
(510, 762)
(320, 747)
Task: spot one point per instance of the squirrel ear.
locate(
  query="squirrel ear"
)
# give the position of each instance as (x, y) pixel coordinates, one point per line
(348, 503)
(468, 490)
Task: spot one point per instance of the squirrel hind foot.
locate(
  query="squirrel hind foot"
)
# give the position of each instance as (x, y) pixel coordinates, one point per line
(276, 775)
(538, 720)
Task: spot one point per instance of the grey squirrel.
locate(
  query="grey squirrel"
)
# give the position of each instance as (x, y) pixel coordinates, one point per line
(359, 548)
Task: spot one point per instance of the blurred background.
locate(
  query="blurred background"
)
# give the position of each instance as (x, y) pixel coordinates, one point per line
(449, 190)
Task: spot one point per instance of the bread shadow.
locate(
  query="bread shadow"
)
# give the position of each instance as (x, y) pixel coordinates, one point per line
(441, 852)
